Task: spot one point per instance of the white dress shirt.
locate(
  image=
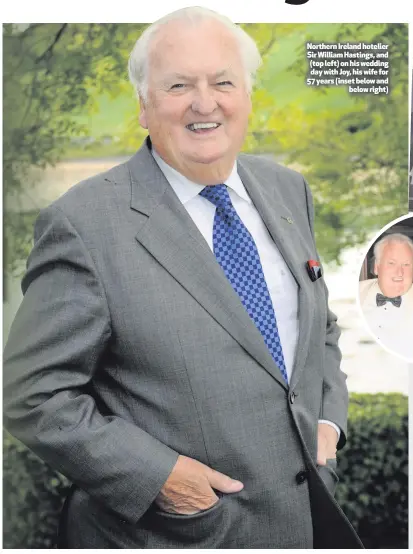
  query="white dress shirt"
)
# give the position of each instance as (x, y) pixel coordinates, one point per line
(392, 326)
(281, 284)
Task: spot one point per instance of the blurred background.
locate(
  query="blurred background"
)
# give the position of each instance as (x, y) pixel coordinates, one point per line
(69, 113)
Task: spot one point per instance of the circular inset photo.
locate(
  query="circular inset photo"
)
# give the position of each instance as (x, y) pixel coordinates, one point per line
(385, 295)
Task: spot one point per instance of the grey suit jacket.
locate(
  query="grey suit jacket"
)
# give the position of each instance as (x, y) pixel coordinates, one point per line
(131, 347)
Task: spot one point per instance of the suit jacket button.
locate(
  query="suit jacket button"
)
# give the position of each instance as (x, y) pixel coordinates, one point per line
(301, 477)
(293, 396)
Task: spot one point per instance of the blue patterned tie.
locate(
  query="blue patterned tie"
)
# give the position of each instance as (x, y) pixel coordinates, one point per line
(237, 254)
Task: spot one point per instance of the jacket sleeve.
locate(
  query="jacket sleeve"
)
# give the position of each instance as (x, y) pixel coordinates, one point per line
(334, 406)
(56, 342)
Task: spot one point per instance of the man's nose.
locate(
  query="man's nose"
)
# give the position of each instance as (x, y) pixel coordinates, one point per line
(204, 101)
(400, 271)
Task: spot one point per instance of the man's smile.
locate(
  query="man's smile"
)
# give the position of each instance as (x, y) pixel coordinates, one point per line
(203, 128)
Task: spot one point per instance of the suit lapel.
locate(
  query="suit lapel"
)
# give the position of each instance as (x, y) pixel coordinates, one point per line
(171, 236)
(283, 230)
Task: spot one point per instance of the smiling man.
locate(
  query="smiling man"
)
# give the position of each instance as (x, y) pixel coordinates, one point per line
(174, 354)
(196, 106)
(387, 302)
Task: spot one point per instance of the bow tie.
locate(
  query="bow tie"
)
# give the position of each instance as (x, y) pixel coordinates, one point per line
(381, 300)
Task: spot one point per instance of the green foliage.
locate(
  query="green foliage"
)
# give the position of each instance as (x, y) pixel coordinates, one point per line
(356, 158)
(52, 74)
(18, 236)
(32, 498)
(373, 469)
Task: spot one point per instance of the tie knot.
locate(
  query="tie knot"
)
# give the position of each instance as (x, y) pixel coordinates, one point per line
(217, 194)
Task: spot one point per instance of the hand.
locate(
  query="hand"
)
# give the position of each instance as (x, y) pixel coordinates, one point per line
(327, 442)
(189, 487)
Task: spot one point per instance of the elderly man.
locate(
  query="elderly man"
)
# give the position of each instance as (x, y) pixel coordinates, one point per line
(174, 354)
(387, 302)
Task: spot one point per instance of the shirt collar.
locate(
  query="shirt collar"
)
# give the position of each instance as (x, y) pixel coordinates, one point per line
(186, 190)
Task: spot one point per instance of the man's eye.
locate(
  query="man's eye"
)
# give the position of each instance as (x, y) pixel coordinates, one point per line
(177, 85)
(223, 83)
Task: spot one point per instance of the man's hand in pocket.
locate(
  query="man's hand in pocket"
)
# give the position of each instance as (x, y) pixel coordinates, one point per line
(189, 488)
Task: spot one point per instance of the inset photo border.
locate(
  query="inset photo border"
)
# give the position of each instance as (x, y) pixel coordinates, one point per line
(385, 288)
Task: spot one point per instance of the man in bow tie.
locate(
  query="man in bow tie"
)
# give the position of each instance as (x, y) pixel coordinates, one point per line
(174, 354)
(387, 301)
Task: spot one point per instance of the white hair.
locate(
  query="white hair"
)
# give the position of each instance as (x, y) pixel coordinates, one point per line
(398, 238)
(138, 59)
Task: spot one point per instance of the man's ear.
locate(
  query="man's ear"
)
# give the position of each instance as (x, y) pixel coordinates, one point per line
(142, 113)
(375, 268)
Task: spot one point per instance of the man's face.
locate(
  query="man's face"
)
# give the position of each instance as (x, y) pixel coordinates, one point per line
(198, 105)
(395, 269)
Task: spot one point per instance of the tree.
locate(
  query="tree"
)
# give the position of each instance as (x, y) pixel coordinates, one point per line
(354, 156)
(52, 73)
